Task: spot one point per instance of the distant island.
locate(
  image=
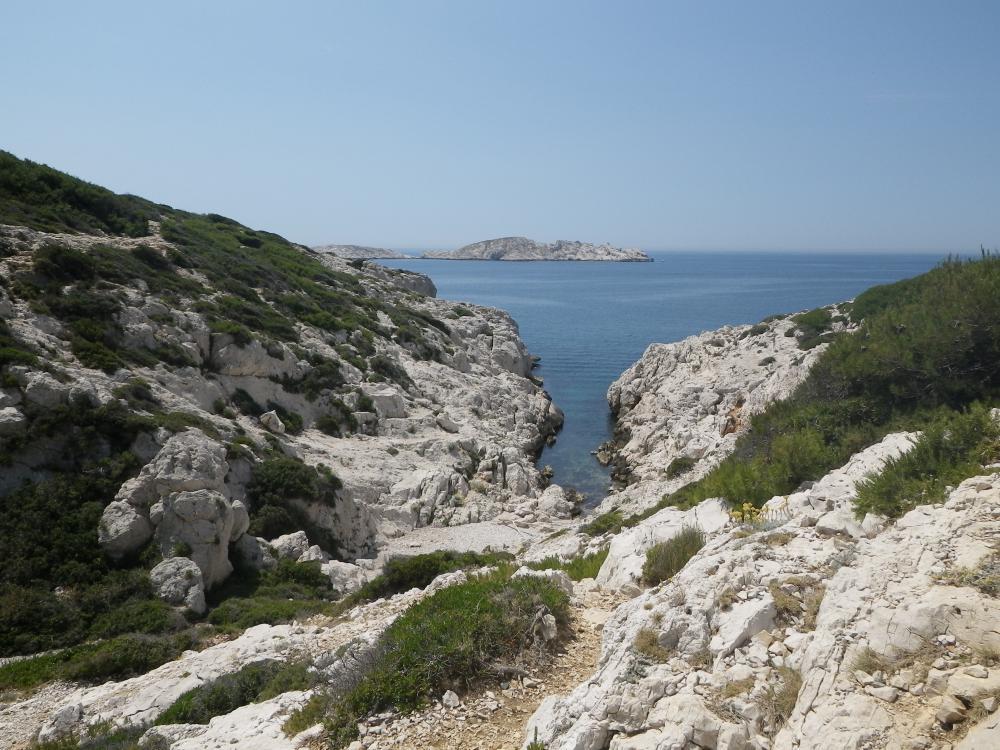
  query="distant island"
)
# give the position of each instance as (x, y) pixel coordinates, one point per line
(358, 252)
(522, 248)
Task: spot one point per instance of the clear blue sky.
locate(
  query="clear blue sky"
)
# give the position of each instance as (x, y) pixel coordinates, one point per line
(778, 125)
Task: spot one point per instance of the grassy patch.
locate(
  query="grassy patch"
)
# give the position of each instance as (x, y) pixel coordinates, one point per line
(417, 571)
(985, 576)
(289, 591)
(118, 658)
(777, 702)
(577, 568)
(254, 683)
(607, 523)
(664, 560)
(457, 634)
(952, 448)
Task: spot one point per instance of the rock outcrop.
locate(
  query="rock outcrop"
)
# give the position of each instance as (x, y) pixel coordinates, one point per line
(681, 407)
(358, 252)
(763, 638)
(522, 248)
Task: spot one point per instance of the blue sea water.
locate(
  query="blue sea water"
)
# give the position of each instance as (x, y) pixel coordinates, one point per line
(590, 321)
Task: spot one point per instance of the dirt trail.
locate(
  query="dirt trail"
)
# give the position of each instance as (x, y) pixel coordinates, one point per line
(494, 719)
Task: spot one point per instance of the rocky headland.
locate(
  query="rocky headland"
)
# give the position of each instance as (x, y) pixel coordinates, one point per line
(522, 248)
(359, 252)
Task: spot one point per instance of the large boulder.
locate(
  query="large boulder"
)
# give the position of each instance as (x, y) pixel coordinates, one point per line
(387, 401)
(123, 529)
(199, 522)
(178, 581)
(178, 497)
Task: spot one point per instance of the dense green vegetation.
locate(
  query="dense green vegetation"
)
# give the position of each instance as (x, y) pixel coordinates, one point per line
(454, 636)
(276, 484)
(44, 198)
(254, 683)
(926, 348)
(287, 592)
(952, 447)
(117, 658)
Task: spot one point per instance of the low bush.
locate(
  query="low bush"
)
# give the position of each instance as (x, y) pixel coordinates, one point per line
(289, 591)
(647, 643)
(454, 636)
(680, 465)
(952, 448)
(254, 683)
(578, 567)
(607, 523)
(404, 573)
(664, 560)
(117, 658)
(275, 485)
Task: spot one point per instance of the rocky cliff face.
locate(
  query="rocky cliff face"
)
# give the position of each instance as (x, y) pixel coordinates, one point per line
(680, 408)
(358, 252)
(425, 417)
(521, 248)
(810, 631)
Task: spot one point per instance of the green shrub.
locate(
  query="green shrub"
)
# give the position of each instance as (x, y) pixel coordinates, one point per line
(404, 573)
(43, 198)
(116, 659)
(927, 346)
(577, 568)
(253, 683)
(952, 448)
(666, 559)
(456, 634)
(680, 465)
(275, 483)
(289, 591)
(607, 523)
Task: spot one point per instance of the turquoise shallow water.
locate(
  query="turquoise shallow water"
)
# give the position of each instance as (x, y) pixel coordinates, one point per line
(590, 321)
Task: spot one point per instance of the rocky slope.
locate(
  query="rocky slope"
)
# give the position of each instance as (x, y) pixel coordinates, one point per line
(522, 248)
(358, 252)
(849, 631)
(683, 405)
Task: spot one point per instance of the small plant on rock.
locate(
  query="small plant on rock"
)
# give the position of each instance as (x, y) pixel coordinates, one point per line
(666, 559)
(647, 643)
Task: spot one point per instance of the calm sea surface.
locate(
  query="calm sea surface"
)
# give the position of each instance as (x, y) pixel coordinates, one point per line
(590, 321)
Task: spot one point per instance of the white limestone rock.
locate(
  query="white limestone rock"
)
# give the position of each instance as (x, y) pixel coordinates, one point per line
(270, 421)
(178, 581)
(12, 421)
(290, 546)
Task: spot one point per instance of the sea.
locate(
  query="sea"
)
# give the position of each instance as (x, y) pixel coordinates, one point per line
(589, 321)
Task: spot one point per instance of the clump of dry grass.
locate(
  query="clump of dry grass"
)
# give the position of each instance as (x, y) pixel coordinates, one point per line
(813, 601)
(647, 643)
(737, 687)
(778, 538)
(789, 607)
(727, 598)
(777, 702)
(870, 662)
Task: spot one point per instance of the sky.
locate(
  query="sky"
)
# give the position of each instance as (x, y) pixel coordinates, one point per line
(663, 125)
